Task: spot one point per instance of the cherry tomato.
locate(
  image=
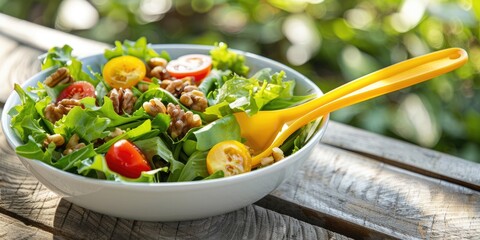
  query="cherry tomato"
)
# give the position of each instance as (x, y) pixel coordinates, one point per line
(231, 157)
(124, 71)
(77, 90)
(126, 159)
(192, 65)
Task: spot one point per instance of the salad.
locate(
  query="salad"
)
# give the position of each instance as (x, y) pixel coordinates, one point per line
(144, 117)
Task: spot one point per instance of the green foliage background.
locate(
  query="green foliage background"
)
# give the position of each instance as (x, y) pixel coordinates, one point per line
(343, 40)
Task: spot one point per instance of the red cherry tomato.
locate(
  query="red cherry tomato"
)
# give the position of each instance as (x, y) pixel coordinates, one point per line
(192, 65)
(77, 90)
(126, 159)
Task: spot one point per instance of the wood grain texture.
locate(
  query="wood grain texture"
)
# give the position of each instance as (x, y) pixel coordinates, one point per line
(336, 186)
(404, 155)
(43, 38)
(19, 57)
(11, 228)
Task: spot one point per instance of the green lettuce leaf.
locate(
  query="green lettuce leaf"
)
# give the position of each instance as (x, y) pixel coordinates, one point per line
(225, 59)
(88, 126)
(139, 48)
(25, 119)
(57, 56)
(223, 129)
(144, 128)
(107, 111)
(262, 91)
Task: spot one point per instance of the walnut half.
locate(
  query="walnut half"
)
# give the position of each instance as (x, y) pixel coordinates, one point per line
(55, 111)
(194, 99)
(154, 107)
(123, 100)
(61, 76)
(181, 121)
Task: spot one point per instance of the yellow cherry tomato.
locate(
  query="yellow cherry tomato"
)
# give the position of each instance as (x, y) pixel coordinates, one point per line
(124, 71)
(231, 157)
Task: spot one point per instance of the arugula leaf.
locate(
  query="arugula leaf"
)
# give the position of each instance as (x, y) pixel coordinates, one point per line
(281, 103)
(217, 174)
(33, 150)
(225, 59)
(156, 147)
(196, 167)
(69, 161)
(140, 130)
(306, 133)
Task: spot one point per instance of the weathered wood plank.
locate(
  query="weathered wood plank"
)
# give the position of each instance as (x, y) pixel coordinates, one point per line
(44, 38)
(20, 62)
(405, 155)
(11, 228)
(252, 222)
(336, 187)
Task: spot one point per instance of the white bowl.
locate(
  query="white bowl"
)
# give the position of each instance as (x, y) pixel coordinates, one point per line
(168, 201)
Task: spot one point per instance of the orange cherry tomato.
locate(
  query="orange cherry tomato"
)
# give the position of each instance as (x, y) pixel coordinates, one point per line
(192, 65)
(77, 90)
(126, 159)
(124, 71)
(231, 157)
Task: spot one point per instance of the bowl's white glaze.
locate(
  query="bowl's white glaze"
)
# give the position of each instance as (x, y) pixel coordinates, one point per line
(168, 201)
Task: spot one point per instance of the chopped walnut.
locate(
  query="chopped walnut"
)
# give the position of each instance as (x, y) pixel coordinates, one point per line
(193, 98)
(55, 111)
(176, 86)
(116, 132)
(57, 139)
(267, 161)
(157, 61)
(123, 100)
(154, 107)
(73, 144)
(277, 154)
(61, 76)
(159, 72)
(181, 121)
(142, 86)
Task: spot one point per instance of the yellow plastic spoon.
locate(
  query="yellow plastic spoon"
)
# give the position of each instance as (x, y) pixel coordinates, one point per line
(262, 129)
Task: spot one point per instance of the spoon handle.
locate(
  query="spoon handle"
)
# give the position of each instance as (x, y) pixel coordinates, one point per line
(386, 80)
(397, 76)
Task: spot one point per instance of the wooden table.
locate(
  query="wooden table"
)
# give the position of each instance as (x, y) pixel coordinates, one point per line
(355, 185)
